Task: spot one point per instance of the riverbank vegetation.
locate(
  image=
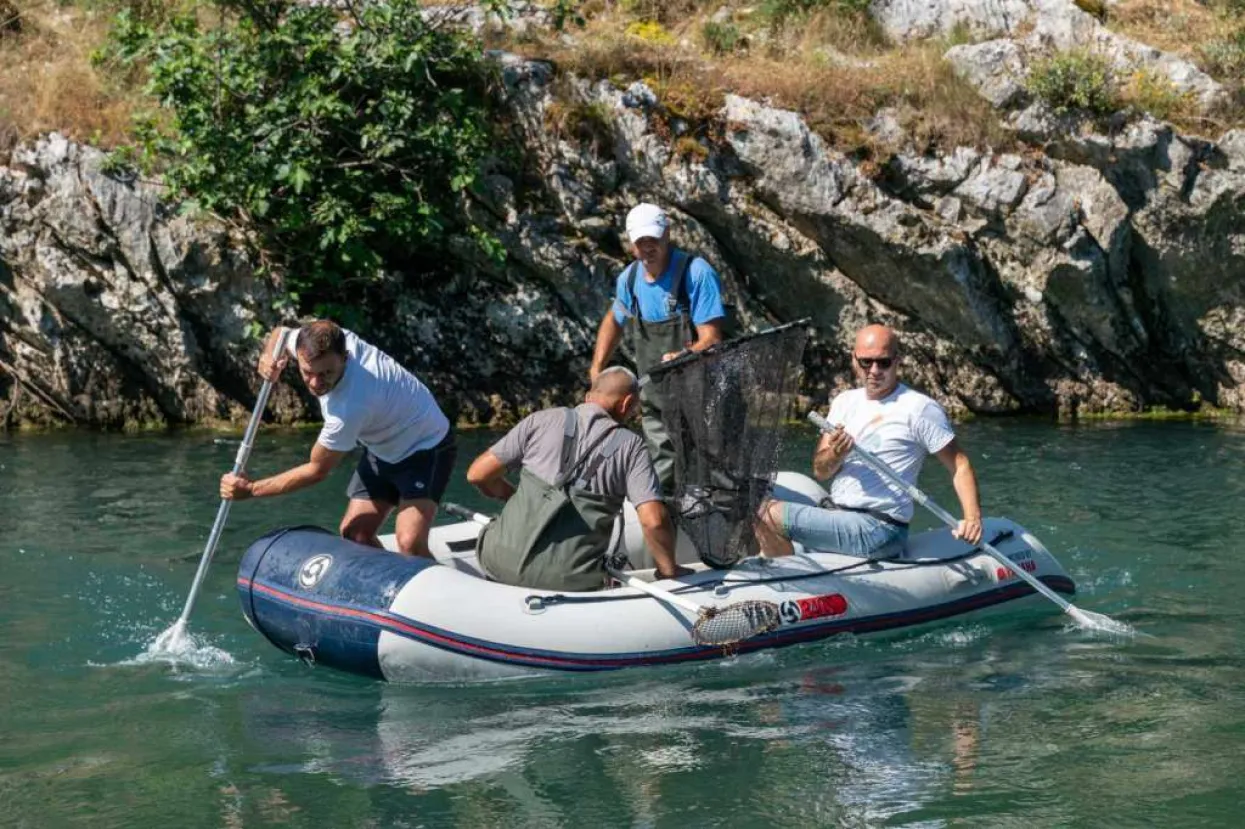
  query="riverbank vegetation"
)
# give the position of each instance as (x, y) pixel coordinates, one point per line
(346, 140)
(347, 135)
(825, 58)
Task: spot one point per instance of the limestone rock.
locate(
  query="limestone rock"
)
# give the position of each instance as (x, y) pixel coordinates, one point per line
(996, 69)
(1094, 272)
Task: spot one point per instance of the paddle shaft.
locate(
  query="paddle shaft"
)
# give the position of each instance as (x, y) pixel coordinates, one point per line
(950, 520)
(239, 465)
(656, 592)
(631, 581)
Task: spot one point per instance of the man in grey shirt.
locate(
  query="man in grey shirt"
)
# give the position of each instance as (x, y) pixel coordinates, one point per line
(576, 466)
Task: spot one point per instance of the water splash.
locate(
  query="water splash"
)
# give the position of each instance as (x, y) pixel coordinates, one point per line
(177, 647)
(1101, 623)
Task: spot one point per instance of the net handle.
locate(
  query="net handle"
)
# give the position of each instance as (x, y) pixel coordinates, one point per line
(687, 355)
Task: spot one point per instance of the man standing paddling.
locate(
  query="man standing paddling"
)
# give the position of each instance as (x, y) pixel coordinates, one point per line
(667, 300)
(899, 425)
(577, 465)
(367, 399)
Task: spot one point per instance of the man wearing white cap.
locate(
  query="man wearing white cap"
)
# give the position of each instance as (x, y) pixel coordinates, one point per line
(668, 300)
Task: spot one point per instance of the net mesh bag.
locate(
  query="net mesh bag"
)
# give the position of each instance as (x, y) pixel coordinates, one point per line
(723, 409)
(735, 623)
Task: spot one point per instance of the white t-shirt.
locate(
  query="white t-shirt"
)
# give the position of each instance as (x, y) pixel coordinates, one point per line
(902, 429)
(380, 405)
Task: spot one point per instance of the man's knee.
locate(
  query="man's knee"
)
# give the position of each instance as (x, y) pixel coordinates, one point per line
(359, 530)
(413, 525)
(414, 542)
(772, 517)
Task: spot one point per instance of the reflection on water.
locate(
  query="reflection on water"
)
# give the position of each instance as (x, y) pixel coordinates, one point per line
(874, 739)
(1018, 720)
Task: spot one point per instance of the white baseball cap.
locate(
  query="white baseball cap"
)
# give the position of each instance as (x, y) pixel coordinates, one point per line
(646, 220)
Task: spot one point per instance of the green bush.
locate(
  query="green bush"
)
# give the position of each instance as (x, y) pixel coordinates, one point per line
(346, 144)
(1075, 82)
(1154, 92)
(722, 38)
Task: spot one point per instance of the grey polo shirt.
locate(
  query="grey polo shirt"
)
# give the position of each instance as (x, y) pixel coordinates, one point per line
(536, 445)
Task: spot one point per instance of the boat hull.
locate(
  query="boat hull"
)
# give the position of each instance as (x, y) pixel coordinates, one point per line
(379, 614)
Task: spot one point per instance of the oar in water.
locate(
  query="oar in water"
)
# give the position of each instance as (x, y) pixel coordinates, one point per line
(715, 626)
(1084, 618)
(172, 639)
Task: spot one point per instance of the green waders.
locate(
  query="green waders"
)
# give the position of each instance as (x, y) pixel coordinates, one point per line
(554, 536)
(650, 341)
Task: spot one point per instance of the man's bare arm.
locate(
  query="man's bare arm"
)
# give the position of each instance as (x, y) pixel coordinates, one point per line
(964, 479)
(609, 334)
(488, 474)
(660, 537)
(317, 468)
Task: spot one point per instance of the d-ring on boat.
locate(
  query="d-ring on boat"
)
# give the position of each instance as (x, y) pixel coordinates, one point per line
(332, 602)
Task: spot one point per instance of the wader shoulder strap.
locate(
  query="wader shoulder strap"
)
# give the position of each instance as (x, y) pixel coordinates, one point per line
(608, 448)
(567, 470)
(570, 433)
(682, 298)
(633, 302)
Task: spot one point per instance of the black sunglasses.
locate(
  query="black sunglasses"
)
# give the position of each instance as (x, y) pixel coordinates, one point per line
(882, 362)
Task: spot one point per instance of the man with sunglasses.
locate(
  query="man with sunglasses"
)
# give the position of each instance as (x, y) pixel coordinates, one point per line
(899, 425)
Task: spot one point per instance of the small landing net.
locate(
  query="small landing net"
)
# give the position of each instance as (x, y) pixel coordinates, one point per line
(725, 626)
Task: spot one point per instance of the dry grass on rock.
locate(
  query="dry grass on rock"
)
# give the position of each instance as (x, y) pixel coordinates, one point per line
(49, 82)
(832, 66)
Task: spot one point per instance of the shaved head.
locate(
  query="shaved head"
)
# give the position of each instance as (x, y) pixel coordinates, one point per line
(875, 360)
(617, 391)
(877, 338)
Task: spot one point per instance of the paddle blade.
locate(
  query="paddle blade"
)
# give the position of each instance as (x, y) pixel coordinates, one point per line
(1100, 623)
(735, 623)
(172, 641)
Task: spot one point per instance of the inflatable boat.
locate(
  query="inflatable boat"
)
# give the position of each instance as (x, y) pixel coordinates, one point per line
(332, 602)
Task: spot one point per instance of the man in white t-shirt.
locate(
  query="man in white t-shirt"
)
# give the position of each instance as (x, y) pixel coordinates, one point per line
(901, 427)
(367, 399)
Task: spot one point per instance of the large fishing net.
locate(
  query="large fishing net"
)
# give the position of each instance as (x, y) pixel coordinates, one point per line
(723, 409)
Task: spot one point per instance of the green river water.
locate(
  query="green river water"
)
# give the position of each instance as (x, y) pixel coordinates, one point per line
(1015, 720)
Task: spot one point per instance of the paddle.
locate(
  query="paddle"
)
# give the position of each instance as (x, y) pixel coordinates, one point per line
(715, 626)
(1084, 618)
(171, 639)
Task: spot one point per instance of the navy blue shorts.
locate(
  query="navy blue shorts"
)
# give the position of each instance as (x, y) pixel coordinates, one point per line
(422, 474)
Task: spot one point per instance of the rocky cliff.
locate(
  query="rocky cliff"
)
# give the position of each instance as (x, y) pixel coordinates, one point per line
(1088, 271)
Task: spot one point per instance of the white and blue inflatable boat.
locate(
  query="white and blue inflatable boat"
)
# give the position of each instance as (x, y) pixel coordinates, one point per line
(332, 602)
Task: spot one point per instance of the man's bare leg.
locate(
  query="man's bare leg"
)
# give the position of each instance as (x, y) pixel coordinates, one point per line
(413, 523)
(769, 519)
(363, 520)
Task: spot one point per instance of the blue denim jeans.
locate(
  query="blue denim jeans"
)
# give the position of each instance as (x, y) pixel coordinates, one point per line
(836, 530)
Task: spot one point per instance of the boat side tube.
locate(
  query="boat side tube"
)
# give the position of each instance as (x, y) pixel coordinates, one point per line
(320, 597)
